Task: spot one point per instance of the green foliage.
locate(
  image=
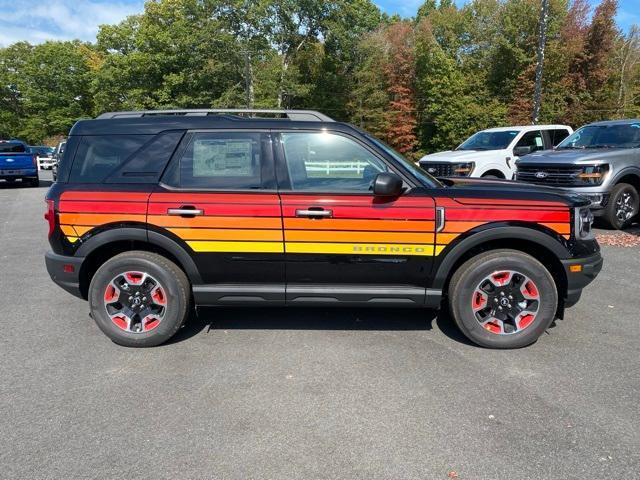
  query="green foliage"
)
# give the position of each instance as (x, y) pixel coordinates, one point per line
(421, 84)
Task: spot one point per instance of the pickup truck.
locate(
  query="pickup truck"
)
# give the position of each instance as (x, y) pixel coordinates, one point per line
(17, 162)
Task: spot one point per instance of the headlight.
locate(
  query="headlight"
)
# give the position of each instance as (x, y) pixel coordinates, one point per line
(593, 174)
(464, 169)
(583, 222)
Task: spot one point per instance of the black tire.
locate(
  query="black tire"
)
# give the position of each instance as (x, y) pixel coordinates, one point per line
(172, 279)
(470, 275)
(491, 176)
(33, 182)
(614, 213)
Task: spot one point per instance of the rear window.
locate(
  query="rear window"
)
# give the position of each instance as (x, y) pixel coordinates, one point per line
(12, 148)
(99, 156)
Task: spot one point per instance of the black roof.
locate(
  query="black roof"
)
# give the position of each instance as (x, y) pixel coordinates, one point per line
(151, 125)
(616, 122)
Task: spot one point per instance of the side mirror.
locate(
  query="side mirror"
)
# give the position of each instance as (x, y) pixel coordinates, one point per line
(521, 151)
(387, 184)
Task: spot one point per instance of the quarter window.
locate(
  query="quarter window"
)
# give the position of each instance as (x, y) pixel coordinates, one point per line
(326, 162)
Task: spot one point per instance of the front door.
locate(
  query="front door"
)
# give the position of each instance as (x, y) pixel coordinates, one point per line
(342, 242)
(218, 200)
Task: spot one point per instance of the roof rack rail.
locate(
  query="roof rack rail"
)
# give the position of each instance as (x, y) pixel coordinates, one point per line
(299, 115)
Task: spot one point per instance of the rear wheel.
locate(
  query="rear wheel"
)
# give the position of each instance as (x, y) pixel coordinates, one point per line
(622, 207)
(139, 299)
(503, 299)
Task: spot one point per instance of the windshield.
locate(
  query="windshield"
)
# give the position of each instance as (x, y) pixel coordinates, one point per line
(12, 148)
(423, 176)
(604, 136)
(489, 140)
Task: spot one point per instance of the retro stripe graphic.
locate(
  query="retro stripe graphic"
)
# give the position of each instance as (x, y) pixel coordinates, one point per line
(257, 223)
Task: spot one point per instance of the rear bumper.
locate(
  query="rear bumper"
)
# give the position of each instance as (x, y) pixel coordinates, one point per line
(67, 280)
(9, 174)
(580, 273)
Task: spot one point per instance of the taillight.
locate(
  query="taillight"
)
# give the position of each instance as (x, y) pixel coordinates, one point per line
(50, 216)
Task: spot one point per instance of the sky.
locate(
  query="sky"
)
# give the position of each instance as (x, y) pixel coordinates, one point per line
(39, 20)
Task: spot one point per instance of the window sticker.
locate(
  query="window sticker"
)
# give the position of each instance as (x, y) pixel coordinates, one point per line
(222, 158)
(538, 141)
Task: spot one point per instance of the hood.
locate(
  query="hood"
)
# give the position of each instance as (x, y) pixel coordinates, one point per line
(460, 187)
(459, 156)
(574, 157)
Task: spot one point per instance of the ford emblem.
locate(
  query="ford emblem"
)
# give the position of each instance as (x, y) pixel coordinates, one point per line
(431, 170)
(10, 160)
(541, 175)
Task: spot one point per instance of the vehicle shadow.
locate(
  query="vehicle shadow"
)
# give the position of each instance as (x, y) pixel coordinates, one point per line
(206, 320)
(19, 185)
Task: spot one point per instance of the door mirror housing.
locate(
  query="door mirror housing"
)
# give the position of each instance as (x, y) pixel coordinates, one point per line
(387, 184)
(521, 151)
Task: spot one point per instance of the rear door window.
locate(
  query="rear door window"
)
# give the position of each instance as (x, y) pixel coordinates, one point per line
(220, 161)
(99, 156)
(533, 140)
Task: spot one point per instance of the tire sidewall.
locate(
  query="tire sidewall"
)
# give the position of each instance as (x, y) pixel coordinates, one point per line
(175, 309)
(611, 210)
(472, 277)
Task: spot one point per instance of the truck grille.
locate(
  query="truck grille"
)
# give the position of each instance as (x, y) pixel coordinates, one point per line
(556, 176)
(440, 169)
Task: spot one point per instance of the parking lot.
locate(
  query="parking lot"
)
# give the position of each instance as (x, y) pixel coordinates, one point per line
(309, 393)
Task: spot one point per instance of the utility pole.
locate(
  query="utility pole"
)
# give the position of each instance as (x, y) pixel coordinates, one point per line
(542, 43)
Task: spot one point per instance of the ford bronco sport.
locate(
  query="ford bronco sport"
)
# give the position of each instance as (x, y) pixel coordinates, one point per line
(155, 212)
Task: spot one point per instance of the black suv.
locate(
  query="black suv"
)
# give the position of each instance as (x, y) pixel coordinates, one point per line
(155, 212)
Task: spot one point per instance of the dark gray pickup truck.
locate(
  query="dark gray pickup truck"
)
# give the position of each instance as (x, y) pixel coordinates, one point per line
(600, 161)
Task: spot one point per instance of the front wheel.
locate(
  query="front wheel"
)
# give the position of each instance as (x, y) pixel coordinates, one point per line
(622, 207)
(503, 299)
(139, 299)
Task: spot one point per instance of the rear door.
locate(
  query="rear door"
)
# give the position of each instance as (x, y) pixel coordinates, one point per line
(218, 200)
(343, 243)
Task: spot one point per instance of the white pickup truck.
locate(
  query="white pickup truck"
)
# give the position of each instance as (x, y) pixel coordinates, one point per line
(493, 153)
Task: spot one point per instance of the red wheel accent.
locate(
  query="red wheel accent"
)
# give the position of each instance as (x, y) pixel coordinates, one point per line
(530, 291)
(501, 278)
(493, 327)
(111, 294)
(479, 300)
(158, 296)
(526, 320)
(149, 323)
(121, 322)
(134, 278)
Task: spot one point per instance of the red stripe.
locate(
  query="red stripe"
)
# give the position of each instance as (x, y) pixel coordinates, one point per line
(226, 198)
(504, 202)
(105, 196)
(488, 215)
(102, 207)
(221, 209)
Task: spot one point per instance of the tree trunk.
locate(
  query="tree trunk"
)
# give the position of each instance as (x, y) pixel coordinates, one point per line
(248, 80)
(542, 43)
(283, 73)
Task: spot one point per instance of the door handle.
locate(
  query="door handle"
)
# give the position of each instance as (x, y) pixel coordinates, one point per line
(187, 211)
(319, 213)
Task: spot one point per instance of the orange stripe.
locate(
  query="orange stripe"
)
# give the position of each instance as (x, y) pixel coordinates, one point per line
(216, 222)
(372, 225)
(562, 228)
(446, 238)
(229, 234)
(98, 218)
(459, 226)
(357, 237)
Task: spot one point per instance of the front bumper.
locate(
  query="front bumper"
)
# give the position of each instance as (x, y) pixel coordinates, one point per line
(65, 272)
(580, 272)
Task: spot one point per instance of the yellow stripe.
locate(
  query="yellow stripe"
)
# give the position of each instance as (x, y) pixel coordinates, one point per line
(72, 239)
(240, 247)
(361, 248)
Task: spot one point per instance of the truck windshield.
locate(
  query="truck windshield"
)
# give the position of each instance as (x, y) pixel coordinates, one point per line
(12, 148)
(489, 140)
(604, 136)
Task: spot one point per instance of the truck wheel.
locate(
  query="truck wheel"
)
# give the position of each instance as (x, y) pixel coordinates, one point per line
(139, 299)
(503, 299)
(622, 207)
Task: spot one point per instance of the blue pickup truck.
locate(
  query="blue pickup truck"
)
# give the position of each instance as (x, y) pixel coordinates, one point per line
(17, 162)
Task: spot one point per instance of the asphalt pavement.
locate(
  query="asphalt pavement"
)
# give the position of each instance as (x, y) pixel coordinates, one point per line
(309, 393)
